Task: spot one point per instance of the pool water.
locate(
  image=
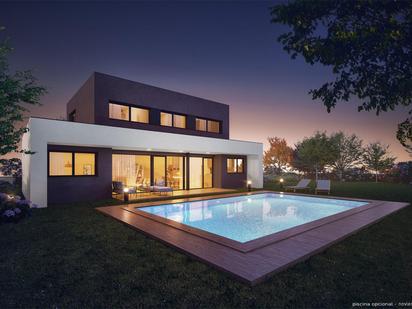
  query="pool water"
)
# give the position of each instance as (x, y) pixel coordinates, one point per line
(248, 217)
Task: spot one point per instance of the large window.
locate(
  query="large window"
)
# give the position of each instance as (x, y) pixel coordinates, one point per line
(117, 111)
(234, 165)
(72, 164)
(207, 125)
(139, 115)
(131, 170)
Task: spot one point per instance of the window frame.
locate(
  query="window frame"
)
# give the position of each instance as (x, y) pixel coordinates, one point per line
(173, 119)
(129, 106)
(138, 107)
(207, 125)
(236, 159)
(121, 104)
(73, 163)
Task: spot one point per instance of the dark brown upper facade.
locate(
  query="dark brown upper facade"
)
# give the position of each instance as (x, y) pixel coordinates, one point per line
(114, 101)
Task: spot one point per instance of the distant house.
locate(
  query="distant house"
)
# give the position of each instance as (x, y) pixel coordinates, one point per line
(139, 135)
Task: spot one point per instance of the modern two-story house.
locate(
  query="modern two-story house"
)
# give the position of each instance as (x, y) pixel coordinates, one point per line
(119, 130)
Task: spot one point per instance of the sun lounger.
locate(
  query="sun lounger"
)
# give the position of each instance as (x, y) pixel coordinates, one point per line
(302, 185)
(322, 186)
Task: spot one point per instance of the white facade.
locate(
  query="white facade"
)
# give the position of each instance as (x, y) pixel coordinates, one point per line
(43, 132)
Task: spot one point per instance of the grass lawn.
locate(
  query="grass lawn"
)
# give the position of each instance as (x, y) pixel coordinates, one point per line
(72, 256)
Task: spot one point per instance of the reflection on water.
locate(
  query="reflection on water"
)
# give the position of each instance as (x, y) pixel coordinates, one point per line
(245, 218)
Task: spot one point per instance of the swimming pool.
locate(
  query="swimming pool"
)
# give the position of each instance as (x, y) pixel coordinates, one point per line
(249, 217)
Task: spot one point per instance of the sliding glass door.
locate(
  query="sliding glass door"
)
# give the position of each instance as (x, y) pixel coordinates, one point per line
(159, 171)
(200, 172)
(174, 172)
(195, 172)
(162, 170)
(207, 172)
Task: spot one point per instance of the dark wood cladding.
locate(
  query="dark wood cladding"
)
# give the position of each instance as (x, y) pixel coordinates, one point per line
(72, 189)
(223, 179)
(100, 89)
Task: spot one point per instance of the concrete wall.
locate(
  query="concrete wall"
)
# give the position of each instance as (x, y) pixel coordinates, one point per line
(44, 132)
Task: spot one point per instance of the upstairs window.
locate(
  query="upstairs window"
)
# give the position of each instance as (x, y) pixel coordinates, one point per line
(166, 119)
(117, 111)
(172, 120)
(179, 121)
(212, 126)
(139, 115)
(234, 165)
(201, 124)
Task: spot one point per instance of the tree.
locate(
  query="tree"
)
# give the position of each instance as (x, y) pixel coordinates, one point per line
(377, 158)
(368, 45)
(16, 90)
(278, 156)
(349, 152)
(315, 153)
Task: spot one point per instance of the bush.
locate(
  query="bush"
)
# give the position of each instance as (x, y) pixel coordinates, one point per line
(13, 209)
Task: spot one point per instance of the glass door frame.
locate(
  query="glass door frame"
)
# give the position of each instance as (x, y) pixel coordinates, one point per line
(162, 155)
(189, 156)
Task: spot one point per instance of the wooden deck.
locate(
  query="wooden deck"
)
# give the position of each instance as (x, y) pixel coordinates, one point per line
(256, 263)
(178, 193)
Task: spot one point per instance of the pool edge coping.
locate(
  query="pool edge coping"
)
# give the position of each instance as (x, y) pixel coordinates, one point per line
(257, 243)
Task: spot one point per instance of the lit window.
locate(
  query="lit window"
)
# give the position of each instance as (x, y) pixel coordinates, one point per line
(200, 124)
(139, 115)
(239, 164)
(117, 111)
(213, 126)
(231, 165)
(60, 163)
(179, 121)
(234, 165)
(64, 163)
(84, 164)
(166, 119)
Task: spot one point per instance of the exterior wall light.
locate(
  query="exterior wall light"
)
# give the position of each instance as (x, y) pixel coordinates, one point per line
(126, 194)
(249, 185)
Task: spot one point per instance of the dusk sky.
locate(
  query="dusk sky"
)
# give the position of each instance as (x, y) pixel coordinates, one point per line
(224, 51)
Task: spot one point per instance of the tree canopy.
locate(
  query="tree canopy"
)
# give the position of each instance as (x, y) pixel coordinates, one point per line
(376, 157)
(348, 152)
(16, 90)
(278, 156)
(314, 153)
(368, 45)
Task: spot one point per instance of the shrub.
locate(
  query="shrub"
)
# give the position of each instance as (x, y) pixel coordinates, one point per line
(13, 209)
